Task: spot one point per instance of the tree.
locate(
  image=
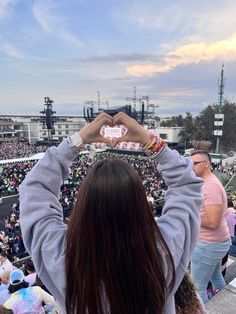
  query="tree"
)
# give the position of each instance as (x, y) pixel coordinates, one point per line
(228, 140)
(173, 121)
(188, 131)
(204, 124)
(201, 128)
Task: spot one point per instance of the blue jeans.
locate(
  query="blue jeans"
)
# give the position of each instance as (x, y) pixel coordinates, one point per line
(232, 249)
(205, 266)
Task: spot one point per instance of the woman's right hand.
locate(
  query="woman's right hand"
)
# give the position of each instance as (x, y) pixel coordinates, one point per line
(135, 133)
(91, 132)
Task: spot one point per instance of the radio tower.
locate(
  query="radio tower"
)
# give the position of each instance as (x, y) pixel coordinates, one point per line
(99, 102)
(220, 117)
(134, 99)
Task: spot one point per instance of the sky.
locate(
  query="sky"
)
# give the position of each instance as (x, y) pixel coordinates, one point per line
(69, 50)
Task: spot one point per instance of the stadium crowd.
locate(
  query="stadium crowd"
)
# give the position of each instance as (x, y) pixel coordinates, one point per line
(229, 169)
(11, 244)
(19, 149)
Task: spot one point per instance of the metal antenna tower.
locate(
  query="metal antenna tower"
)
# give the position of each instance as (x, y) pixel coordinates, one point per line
(134, 99)
(99, 102)
(220, 117)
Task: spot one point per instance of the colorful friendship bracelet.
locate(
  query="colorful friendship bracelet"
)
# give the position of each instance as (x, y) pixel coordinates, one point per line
(154, 145)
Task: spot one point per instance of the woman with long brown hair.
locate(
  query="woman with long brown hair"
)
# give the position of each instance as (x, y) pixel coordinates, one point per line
(113, 257)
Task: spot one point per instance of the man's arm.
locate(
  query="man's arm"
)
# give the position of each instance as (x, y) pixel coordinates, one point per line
(212, 216)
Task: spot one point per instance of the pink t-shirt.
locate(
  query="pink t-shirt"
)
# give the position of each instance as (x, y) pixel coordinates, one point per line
(214, 194)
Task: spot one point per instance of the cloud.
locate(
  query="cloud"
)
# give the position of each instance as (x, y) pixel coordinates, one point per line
(5, 8)
(188, 54)
(183, 92)
(10, 50)
(121, 58)
(203, 19)
(45, 13)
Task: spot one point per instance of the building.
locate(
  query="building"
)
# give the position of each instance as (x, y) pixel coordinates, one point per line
(10, 129)
(169, 134)
(32, 128)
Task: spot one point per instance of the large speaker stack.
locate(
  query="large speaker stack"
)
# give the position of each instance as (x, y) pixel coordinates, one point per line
(47, 117)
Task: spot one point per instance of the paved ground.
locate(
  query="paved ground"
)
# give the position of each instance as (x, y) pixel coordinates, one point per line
(224, 302)
(231, 271)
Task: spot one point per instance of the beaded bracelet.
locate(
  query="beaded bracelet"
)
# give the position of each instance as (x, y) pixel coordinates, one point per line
(154, 145)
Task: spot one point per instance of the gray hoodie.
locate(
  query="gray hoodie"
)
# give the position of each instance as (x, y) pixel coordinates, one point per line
(43, 229)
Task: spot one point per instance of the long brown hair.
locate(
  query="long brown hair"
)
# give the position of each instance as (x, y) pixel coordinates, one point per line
(112, 261)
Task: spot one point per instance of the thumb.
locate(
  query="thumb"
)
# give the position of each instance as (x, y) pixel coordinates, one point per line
(104, 140)
(118, 140)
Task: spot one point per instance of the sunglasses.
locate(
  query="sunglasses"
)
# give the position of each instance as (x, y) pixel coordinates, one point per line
(198, 162)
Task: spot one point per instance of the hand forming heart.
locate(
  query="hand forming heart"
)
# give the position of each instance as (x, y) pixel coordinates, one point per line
(135, 132)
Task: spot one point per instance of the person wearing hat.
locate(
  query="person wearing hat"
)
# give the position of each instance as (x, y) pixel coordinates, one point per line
(25, 299)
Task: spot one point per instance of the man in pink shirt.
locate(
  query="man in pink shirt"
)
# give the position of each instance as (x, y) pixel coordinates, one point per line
(214, 237)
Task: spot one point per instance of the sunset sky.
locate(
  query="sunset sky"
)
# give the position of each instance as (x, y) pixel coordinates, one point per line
(69, 50)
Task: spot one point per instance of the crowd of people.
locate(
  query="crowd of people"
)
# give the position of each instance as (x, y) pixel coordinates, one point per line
(21, 279)
(229, 169)
(19, 149)
(13, 174)
(21, 290)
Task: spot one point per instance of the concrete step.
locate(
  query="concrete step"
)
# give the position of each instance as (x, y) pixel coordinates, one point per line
(224, 302)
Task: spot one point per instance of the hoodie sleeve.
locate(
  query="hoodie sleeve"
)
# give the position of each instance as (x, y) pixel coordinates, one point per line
(180, 222)
(41, 216)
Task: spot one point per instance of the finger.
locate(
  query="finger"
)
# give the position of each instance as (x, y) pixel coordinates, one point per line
(105, 120)
(102, 116)
(121, 118)
(105, 140)
(121, 139)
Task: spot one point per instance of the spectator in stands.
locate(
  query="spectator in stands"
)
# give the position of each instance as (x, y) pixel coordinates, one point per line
(3, 310)
(214, 238)
(31, 273)
(150, 199)
(4, 292)
(24, 299)
(231, 221)
(114, 257)
(12, 149)
(6, 265)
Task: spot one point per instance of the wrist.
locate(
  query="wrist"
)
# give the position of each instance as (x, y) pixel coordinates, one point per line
(75, 140)
(154, 145)
(145, 139)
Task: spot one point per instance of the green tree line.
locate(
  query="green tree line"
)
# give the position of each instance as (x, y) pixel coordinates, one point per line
(202, 126)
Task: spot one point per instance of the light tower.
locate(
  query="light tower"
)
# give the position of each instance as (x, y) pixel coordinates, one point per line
(219, 117)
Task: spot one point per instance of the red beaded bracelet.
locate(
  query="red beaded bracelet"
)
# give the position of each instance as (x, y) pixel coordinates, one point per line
(154, 145)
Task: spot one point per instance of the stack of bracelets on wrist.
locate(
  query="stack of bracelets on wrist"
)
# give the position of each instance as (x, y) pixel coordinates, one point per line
(154, 145)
